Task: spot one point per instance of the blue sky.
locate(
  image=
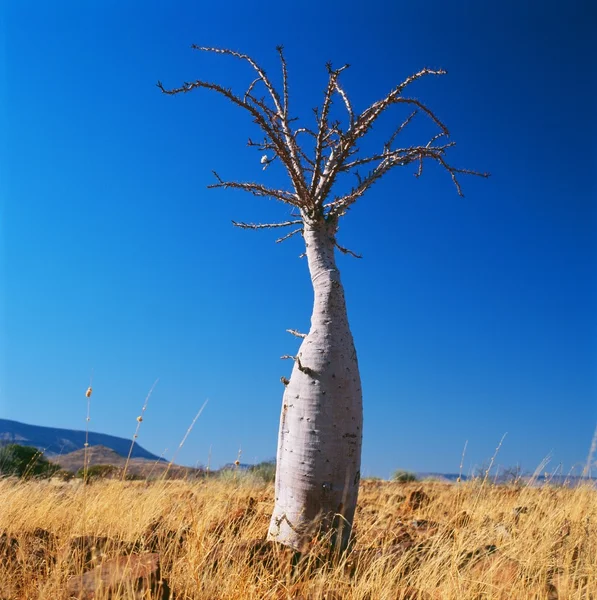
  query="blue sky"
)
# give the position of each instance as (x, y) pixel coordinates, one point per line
(472, 316)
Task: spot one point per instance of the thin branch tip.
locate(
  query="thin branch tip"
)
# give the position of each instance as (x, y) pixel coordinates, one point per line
(297, 333)
(347, 251)
(289, 235)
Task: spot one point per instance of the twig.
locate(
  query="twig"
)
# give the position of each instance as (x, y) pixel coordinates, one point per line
(299, 364)
(347, 251)
(258, 189)
(297, 333)
(289, 235)
(280, 50)
(400, 127)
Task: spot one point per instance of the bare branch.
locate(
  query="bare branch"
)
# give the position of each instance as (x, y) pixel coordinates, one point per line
(280, 50)
(262, 146)
(300, 366)
(399, 157)
(289, 235)
(265, 225)
(306, 158)
(420, 169)
(305, 130)
(347, 251)
(392, 155)
(258, 189)
(335, 149)
(297, 333)
(346, 103)
(425, 109)
(288, 149)
(258, 69)
(388, 144)
(335, 163)
(371, 114)
(454, 171)
(271, 114)
(436, 137)
(323, 129)
(251, 86)
(270, 129)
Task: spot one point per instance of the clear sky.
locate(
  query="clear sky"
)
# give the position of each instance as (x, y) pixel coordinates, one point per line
(472, 316)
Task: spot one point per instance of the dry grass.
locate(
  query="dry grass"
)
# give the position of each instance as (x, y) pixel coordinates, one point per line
(464, 541)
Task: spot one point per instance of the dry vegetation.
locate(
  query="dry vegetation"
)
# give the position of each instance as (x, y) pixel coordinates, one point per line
(452, 542)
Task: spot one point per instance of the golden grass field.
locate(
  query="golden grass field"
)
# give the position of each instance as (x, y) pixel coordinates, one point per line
(463, 541)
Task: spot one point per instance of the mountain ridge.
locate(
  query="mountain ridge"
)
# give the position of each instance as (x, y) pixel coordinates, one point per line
(56, 441)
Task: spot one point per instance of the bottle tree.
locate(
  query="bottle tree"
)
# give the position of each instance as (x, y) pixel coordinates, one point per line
(321, 423)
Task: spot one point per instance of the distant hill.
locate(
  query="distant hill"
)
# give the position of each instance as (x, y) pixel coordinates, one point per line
(96, 455)
(55, 442)
(141, 467)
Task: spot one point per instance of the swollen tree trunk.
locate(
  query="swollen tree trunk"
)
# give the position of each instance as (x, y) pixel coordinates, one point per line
(319, 445)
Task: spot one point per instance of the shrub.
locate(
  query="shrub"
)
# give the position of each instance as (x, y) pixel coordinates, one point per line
(25, 461)
(63, 475)
(403, 476)
(98, 472)
(265, 470)
(511, 474)
(251, 475)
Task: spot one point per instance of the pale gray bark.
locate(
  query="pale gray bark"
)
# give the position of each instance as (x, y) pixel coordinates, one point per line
(319, 447)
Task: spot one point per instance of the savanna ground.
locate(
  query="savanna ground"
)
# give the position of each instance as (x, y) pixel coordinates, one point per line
(426, 540)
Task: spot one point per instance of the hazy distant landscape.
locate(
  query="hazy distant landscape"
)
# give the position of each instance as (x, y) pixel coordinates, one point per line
(65, 447)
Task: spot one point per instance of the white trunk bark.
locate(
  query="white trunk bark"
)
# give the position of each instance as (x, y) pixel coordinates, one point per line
(319, 445)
